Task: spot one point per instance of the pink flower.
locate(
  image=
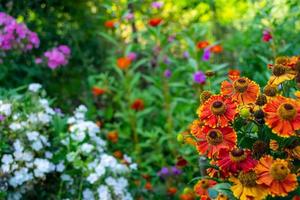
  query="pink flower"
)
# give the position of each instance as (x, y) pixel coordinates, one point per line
(57, 56)
(14, 35)
(38, 60)
(157, 4)
(266, 36)
(131, 56)
(129, 16)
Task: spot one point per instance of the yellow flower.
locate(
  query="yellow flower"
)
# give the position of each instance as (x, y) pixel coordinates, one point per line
(245, 187)
(297, 94)
(281, 73)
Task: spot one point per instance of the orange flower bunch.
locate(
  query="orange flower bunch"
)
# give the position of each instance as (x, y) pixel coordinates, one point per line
(251, 136)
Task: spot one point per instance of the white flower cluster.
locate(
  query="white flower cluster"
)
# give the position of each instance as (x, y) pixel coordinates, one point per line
(90, 146)
(36, 151)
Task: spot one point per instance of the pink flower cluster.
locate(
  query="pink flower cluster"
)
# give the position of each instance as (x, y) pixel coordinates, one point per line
(14, 35)
(58, 56)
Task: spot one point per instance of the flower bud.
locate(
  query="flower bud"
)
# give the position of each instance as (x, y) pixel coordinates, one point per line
(244, 112)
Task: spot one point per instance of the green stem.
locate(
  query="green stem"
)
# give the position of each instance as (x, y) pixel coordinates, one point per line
(80, 189)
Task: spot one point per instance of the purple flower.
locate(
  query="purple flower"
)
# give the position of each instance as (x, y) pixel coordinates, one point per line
(206, 55)
(132, 56)
(157, 4)
(163, 172)
(167, 73)
(176, 171)
(2, 118)
(171, 38)
(166, 60)
(64, 49)
(186, 55)
(199, 77)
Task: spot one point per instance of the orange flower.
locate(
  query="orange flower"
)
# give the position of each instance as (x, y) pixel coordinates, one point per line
(217, 111)
(276, 175)
(214, 139)
(118, 154)
(195, 127)
(202, 186)
(138, 105)
(282, 115)
(202, 44)
(240, 89)
(216, 49)
(171, 191)
(123, 62)
(97, 91)
(148, 185)
(110, 24)
(113, 136)
(273, 145)
(188, 196)
(155, 22)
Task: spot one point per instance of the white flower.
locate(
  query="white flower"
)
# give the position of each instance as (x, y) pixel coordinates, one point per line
(18, 146)
(92, 178)
(37, 145)
(88, 194)
(20, 177)
(100, 170)
(86, 148)
(42, 166)
(133, 166)
(67, 178)
(5, 168)
(82, 109)
(32, 136)
(48, 154)
(15, 126)
(44, 118)
(104, 193)
(7, 159)
(60, 167)
(27, 156)
(71, 156)
(5, 109)
(34, 87)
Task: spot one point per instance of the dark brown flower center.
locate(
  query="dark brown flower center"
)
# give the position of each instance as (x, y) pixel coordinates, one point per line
(278, 70)
(287, 111)
(204, 184)
(240, 85)
(248, 179)
(237, 155)
(214, 137)
(279, 170)
(218, 108)
(270, 90)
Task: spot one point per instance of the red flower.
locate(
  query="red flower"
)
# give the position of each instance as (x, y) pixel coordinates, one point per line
(97, 91)
(266, 36)
(202, 44)
(217, 111)
(181, 162)
(216, 49)
(123, 62)
(113, 136)
(212, 140)
(236, 160)
(172, 191)
(138, 105)
(155, 22)
(110, 24)
(233, 73)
